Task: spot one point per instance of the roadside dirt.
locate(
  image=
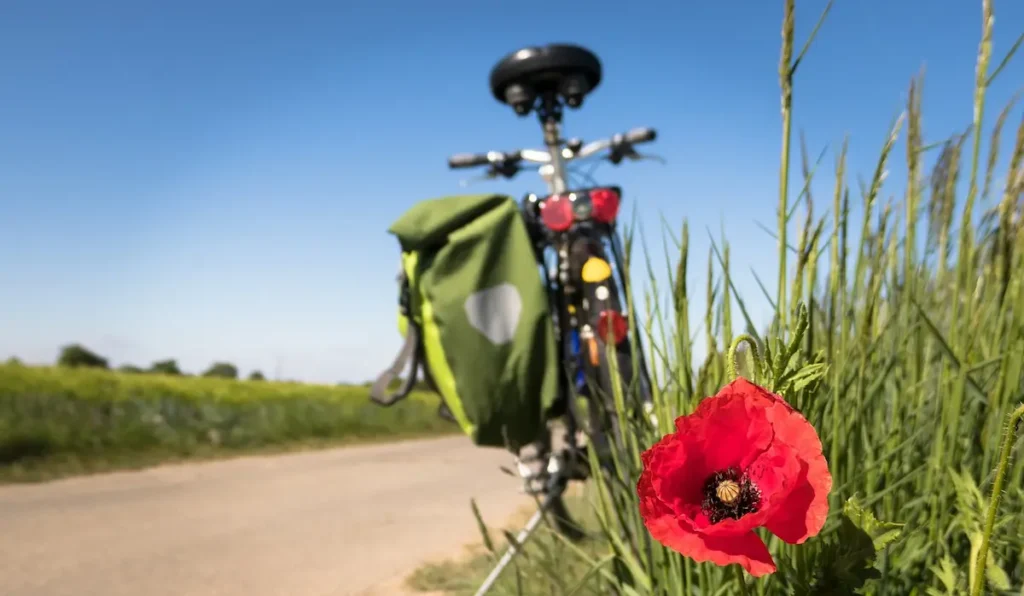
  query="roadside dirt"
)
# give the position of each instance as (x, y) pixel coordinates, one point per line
(348, 521)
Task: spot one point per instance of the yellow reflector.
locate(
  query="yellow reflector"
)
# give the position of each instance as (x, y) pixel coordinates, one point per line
(596, 270)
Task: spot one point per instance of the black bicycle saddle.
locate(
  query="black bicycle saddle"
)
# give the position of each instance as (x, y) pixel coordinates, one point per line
(566, 70)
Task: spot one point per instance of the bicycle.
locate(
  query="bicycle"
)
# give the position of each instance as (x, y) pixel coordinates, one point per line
(573, 231)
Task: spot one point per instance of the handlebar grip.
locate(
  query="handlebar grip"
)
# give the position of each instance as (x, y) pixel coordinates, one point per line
(640, 135)
(467, 160)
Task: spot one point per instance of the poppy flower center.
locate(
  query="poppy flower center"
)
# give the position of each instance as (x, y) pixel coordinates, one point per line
(727, 491)
(729, 494)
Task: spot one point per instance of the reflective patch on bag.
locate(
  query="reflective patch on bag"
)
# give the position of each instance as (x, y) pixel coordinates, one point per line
(495, 312)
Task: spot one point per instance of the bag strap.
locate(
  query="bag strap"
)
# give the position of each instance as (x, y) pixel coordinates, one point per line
(410, 351)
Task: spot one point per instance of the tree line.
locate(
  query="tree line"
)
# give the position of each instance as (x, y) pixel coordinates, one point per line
(78, 356)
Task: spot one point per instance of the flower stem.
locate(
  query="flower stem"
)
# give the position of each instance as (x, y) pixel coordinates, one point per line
(1009, 435)
(741, 580)
(754, 356)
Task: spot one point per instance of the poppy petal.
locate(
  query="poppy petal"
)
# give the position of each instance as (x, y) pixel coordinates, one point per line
(776, 473)
(804, 510)
(732, 427)
(651, 504)
(746, 550)
(673, 463)
(676, 534)
(803, 513)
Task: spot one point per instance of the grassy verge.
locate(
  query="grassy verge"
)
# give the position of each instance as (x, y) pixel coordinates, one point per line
(547, 564)
(897, 332)
(57, 422)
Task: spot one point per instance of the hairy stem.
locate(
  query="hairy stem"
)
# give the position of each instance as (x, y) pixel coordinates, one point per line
(754, 356)
(1009, 435)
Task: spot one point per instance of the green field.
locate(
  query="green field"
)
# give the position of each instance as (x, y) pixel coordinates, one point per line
(59, 421)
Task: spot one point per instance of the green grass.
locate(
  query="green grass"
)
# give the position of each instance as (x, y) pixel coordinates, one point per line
(59, 421)
(917, 309)
(547, 565)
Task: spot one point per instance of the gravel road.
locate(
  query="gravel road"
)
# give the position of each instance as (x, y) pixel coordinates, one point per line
(346, 521)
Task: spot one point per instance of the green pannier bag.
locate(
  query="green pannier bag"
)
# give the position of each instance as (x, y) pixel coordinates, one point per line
(476, 319)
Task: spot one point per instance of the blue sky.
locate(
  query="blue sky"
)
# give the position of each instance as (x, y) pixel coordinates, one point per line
(214, 180)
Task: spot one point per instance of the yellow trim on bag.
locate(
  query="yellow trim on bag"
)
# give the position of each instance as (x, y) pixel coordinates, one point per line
(434, 352)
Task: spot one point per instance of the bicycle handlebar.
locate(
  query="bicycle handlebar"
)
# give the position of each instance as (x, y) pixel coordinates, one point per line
(618, 141)
(640, 135)
(469, 160)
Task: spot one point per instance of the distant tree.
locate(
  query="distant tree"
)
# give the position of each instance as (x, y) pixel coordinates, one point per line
(14, 361)
(78, 356)
(224, 370)
(256, 376)
(165, 367)
(130, 369)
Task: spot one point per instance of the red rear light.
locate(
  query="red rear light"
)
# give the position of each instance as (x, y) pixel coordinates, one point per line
(610, 321)
(557, 213)
(606, 204)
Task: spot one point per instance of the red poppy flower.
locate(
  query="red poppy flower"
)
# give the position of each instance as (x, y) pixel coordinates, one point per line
(744, 459)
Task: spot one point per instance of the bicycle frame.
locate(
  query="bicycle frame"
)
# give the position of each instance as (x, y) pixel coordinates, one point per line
(558, 283)
(543, 80)
(563, 297)
(556, 157)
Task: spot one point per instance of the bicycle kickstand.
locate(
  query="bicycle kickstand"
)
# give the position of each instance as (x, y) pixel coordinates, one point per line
(522, 537)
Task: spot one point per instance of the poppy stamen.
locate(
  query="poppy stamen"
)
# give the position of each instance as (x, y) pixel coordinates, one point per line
(729, 494)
